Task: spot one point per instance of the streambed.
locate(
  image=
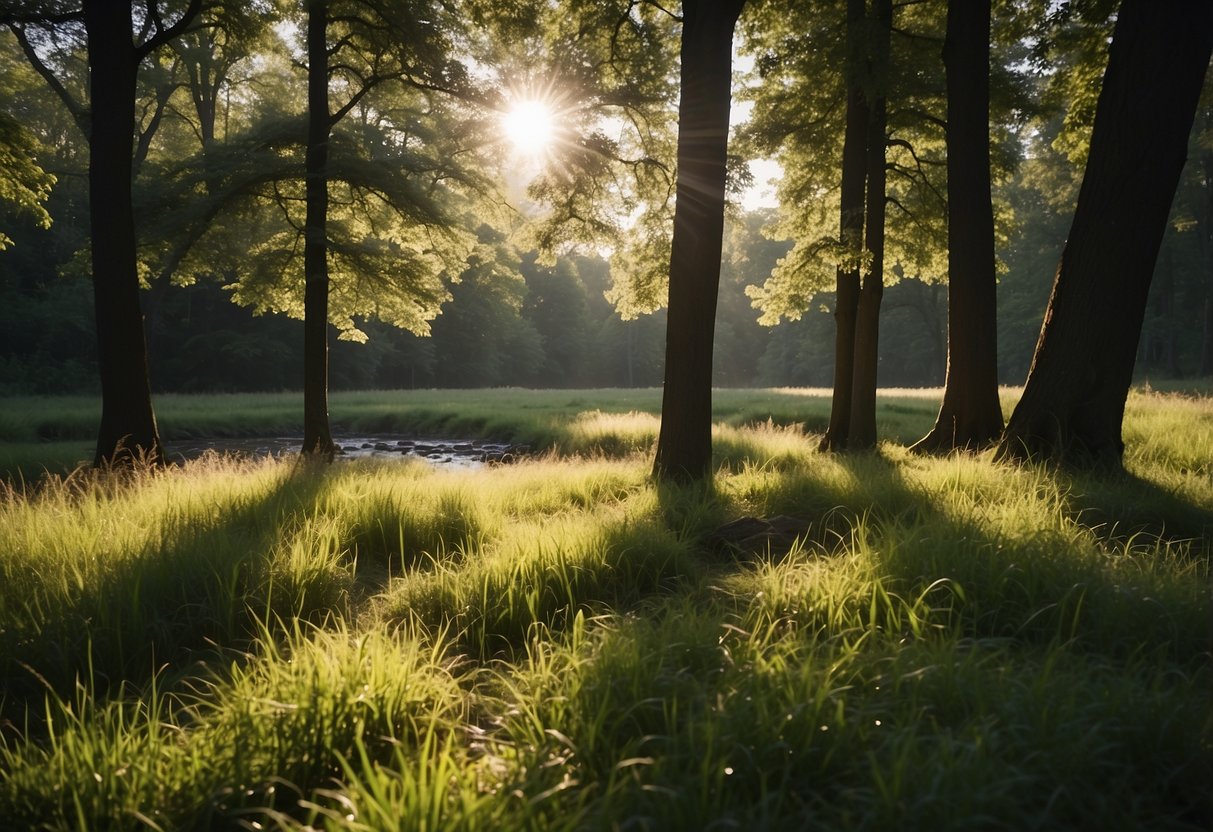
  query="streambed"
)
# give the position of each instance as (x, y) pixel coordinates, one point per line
(448, 453)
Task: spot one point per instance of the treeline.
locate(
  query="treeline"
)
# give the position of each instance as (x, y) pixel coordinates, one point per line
(553, 326)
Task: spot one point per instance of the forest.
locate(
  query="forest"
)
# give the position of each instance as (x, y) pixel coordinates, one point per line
(716, 414)
(546, 269)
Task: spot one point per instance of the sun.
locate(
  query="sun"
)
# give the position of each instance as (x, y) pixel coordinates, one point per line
(530, 126)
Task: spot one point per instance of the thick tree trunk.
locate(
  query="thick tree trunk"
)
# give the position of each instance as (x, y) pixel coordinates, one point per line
(970, 416)
(1206, 341)
(1073, 403)
(862, 433)
(854, 169)
(684, 446)
(317, 436)
(128, 424)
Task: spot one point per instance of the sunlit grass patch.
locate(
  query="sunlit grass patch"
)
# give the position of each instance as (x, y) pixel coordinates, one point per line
(163, 561)
(612, 434)
(765, 445)
(270, 732)
(401, 520)
(544, 572)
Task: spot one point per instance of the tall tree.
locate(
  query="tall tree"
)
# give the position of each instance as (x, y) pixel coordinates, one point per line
(970, 415)
(317, 435)
(1073, 403)
(360, 47)
(128, 423)
(684, 444)
(888, 210)
(851, 216)
(862, 431)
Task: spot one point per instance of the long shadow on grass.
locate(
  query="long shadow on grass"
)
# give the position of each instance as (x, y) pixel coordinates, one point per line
(682, 719)
(198, 591)
(493, 605)
(1052, 585)
(978, 675)
(971, 578)
(1121, 508)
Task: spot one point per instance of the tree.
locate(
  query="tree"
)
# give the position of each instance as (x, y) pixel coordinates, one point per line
(862, 431)
(1073, 403)
(877, 216)
(970, 415)
(851, 217)
(377, 43)
(684, 444)
(128, 423)
(317, 436)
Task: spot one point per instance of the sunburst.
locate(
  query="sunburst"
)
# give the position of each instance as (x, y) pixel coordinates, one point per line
(530, 127)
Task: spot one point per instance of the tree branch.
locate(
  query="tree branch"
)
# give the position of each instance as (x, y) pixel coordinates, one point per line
(162, 35)
(80, 113)
(367, 86)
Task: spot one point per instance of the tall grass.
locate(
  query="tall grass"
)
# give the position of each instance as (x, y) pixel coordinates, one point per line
(953, 643)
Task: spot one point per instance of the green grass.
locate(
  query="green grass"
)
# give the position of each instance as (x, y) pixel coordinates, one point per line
(953, 644)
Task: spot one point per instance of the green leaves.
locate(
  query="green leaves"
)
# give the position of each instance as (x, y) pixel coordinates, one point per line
(24, 186)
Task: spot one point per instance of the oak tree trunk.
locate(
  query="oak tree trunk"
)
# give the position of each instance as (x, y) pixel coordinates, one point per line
(854, 169)
(970, 416)
(128, 423)
(862, 432)
(684, 445)
(1073, 403)
(317, 436)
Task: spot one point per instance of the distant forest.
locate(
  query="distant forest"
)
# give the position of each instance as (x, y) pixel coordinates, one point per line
(554, 327)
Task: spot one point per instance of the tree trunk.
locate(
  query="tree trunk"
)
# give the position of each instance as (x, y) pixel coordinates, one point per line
(684, 446)
(317, 437)
(128, 423)
(854, 169)
(862, 433)
(970, 416)
(1073, 403)
(1206, 341)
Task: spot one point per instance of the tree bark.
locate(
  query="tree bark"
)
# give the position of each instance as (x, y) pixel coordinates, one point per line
(1206, 340)
(862, 432)
(684, 445)
(128, 424)
(970, 416)
(851, 214)
(1073, 403)
(317, 436)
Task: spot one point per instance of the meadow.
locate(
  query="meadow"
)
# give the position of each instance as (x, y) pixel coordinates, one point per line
(558, 644)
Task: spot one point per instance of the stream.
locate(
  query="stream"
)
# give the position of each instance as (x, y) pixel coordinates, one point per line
(442, 453)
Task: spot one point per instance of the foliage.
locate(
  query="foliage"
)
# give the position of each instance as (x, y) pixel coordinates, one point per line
(799, 96)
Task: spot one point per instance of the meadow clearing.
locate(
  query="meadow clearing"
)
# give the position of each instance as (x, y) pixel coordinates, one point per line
(556, 644)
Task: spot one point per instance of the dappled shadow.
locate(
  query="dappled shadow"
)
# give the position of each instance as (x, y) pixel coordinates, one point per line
(197, 591)
(980, 648)
(981, 577)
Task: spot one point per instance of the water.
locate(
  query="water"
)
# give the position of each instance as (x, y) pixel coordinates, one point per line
(441, 453)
